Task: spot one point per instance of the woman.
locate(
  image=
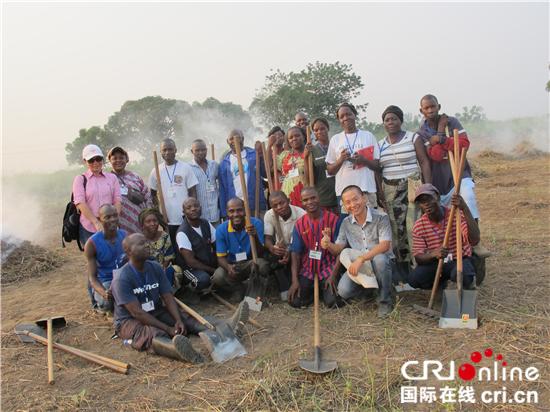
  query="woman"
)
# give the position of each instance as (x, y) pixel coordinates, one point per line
(403, 159)
(324, 183)
(93, 189)
(291, 165)
(135, 194)
(160, 245)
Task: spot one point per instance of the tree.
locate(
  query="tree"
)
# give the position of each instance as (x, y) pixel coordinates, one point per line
(474, 114)
(317, 90)
(93, 135)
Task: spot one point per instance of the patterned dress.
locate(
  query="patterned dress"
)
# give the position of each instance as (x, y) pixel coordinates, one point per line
(162, 250)
(128, 219)
(291, 165)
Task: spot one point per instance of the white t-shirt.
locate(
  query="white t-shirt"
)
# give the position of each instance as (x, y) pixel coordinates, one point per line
(235, 172)
(184, 242)
(360, 176)
(176, 180)
(286, 225)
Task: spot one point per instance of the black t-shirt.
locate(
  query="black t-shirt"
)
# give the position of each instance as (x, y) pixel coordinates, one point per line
(323, 184)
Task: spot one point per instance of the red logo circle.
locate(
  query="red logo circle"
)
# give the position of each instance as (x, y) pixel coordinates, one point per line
(475, 357)
(499, 357)
(488, 352)
(466, 372)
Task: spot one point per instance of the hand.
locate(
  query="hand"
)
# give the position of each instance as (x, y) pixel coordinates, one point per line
(307, 150)
(279, 250)
(332, 282)
(440, 253)
(442, 123)
(353, 269)
(179, 328)
(285, 259)
(435, 139)
(358, 159)
(294, 290)
(251, 230)
(258, 147)
(107, 294)
(232, 272)
(271, 140)
(344, 155)
(98, 226)
(458, 201)
(325, 240)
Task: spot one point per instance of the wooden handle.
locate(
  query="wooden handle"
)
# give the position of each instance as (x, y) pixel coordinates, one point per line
(316, 325)
(91, 357)
(194, 314)
(160, 194)
(275, 170)
(50, 350)
(233, 307)
(212, 151)
(245, 199)
(257, 188)
(311, 178)
(267, 165)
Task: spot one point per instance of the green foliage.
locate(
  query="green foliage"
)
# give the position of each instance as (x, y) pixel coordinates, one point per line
(317, 90)
(474, 114)
(93, 135)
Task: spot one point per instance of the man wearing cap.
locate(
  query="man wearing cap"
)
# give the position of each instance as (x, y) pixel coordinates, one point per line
(428, 234)
(368, 233)
(178, 183)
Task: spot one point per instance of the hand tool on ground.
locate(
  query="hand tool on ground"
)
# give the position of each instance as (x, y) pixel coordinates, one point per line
(220, 340)
(50, 350)
(233, 307)
(159, 187)
(57, 322)
(31, 333)
(311, 178)
(256, 285)
(258, 182)
(317, 365)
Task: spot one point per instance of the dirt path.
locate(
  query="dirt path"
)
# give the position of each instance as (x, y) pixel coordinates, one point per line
(513, 305)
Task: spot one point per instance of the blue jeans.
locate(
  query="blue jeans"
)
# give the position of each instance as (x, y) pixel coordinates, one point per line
(381, 266)
(422, 277)
(102, 304)
(84, 235)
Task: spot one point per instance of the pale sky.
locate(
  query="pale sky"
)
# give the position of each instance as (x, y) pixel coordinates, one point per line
(70, 66)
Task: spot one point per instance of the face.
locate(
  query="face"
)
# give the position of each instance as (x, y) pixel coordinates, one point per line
(354, 202)
(295, 139)
(310, 201)
(108, 217)
(139, 248)
(346, 118)
(168, 152)
(235, 212)
(429, 108)
(150, 224)
(199, 151)
(428, 204)
(279, 138)
(321, 131)
(95, 164)
(301, 120)
(392, 124)
(192, 208)
(231, 141)
(280, 206)
(118, 162)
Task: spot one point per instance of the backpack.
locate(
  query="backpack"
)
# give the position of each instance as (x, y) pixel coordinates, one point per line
(71, 222)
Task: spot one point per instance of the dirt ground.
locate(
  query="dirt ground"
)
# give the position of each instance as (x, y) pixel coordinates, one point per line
(513, 305)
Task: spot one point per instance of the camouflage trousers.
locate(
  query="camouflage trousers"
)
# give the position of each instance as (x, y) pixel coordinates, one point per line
(402, 216)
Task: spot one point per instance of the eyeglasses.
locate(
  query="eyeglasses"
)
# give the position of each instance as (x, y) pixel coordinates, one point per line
(95, 159)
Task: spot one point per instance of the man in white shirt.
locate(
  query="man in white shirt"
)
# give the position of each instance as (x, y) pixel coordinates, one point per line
(353, 155)
(178, 183)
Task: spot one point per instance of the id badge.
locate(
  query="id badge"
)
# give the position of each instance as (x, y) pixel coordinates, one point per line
(315, 254)
(294, 173)
(148, 306)
(239, 257)
(124, 190)
(210, 187)
(449, 258)
(171, 192)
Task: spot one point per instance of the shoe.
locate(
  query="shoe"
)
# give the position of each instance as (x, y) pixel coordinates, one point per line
(384, 309)
(239, 318)
(179, 348)
(481, 251)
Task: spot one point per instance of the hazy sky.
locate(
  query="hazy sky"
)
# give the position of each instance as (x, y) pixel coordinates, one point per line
(70, 66)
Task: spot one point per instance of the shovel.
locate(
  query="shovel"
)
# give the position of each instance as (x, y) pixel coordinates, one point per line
(220, 340)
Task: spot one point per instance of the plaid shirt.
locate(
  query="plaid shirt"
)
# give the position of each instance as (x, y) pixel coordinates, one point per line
(208, 189)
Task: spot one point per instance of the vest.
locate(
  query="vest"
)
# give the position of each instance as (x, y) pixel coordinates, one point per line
(202, 248)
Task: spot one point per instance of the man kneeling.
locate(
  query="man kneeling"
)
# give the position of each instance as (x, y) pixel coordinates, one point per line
(146, 312)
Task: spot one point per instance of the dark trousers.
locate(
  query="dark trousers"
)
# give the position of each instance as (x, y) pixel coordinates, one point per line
(306, 294)
(423, 276)
(280, 272)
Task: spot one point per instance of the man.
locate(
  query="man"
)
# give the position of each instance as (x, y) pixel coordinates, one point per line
(301, 120)
(146, 313)
(206, 172)
(287, 215)
(353, 156)
(104, 253)
(230, 182)
(308, 259)
(234, 251)
(196, 243)
(428, 234)
(368, 231)
(178, 183)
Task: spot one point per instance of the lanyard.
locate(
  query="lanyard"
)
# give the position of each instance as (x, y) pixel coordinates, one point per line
(142, 279)
(354, 140)
(317, 237)
(171, 179)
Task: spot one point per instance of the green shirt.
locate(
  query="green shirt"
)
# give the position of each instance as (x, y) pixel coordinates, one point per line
(323, 184)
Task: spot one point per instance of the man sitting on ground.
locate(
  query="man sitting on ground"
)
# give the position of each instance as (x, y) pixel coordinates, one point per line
(428, 234)
(234, 251)
(287, 215)
(104, 253)
(368, 233)
(147, 314)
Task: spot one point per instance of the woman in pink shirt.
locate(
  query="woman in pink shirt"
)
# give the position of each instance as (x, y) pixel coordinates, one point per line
(92, 189)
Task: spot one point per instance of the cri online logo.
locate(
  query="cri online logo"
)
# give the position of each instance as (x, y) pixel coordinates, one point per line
(468, 372)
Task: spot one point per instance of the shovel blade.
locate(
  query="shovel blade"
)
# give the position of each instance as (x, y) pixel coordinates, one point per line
(28, 327)
(459, 313)
(222, 343)
(318, 365)
(57, 322)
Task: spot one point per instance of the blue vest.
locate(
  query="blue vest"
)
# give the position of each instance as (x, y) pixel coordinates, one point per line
(109, 256)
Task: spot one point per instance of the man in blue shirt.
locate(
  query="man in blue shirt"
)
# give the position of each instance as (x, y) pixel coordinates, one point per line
(234, 252)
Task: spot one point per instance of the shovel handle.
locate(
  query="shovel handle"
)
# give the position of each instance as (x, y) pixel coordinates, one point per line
(194, 314)
(50, 350)
(212, 151)
(316, 326)
(160, 194)
(311, 176)
(258, 182)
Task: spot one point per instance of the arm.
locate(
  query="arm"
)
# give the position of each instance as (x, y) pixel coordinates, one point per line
(273, 248)
(172, 308)
(90, 252)
(473, 228)
(229, 268)
(333, 168)
(85, 210)
(373, 164)
(135, 310)
(295, 270)
(423, 160)
(192, 191)
(194, 263)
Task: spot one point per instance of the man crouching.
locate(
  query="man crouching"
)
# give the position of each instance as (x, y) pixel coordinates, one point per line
(146, 312)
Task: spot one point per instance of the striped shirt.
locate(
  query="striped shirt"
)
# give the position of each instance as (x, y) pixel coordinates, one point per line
(428, 235)
(398, 160)
(306, 234)
(207, 189)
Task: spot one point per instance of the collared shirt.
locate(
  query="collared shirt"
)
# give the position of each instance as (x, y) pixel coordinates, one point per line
(207, 189)
(100, 190)
(229, 242)
(286, 225)
(377, 228)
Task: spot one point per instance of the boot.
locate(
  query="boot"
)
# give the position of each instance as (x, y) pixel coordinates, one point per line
(179, 348)
(239, 318)
(481, 251)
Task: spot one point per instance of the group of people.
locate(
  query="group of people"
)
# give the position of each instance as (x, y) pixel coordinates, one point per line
(374, 214)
